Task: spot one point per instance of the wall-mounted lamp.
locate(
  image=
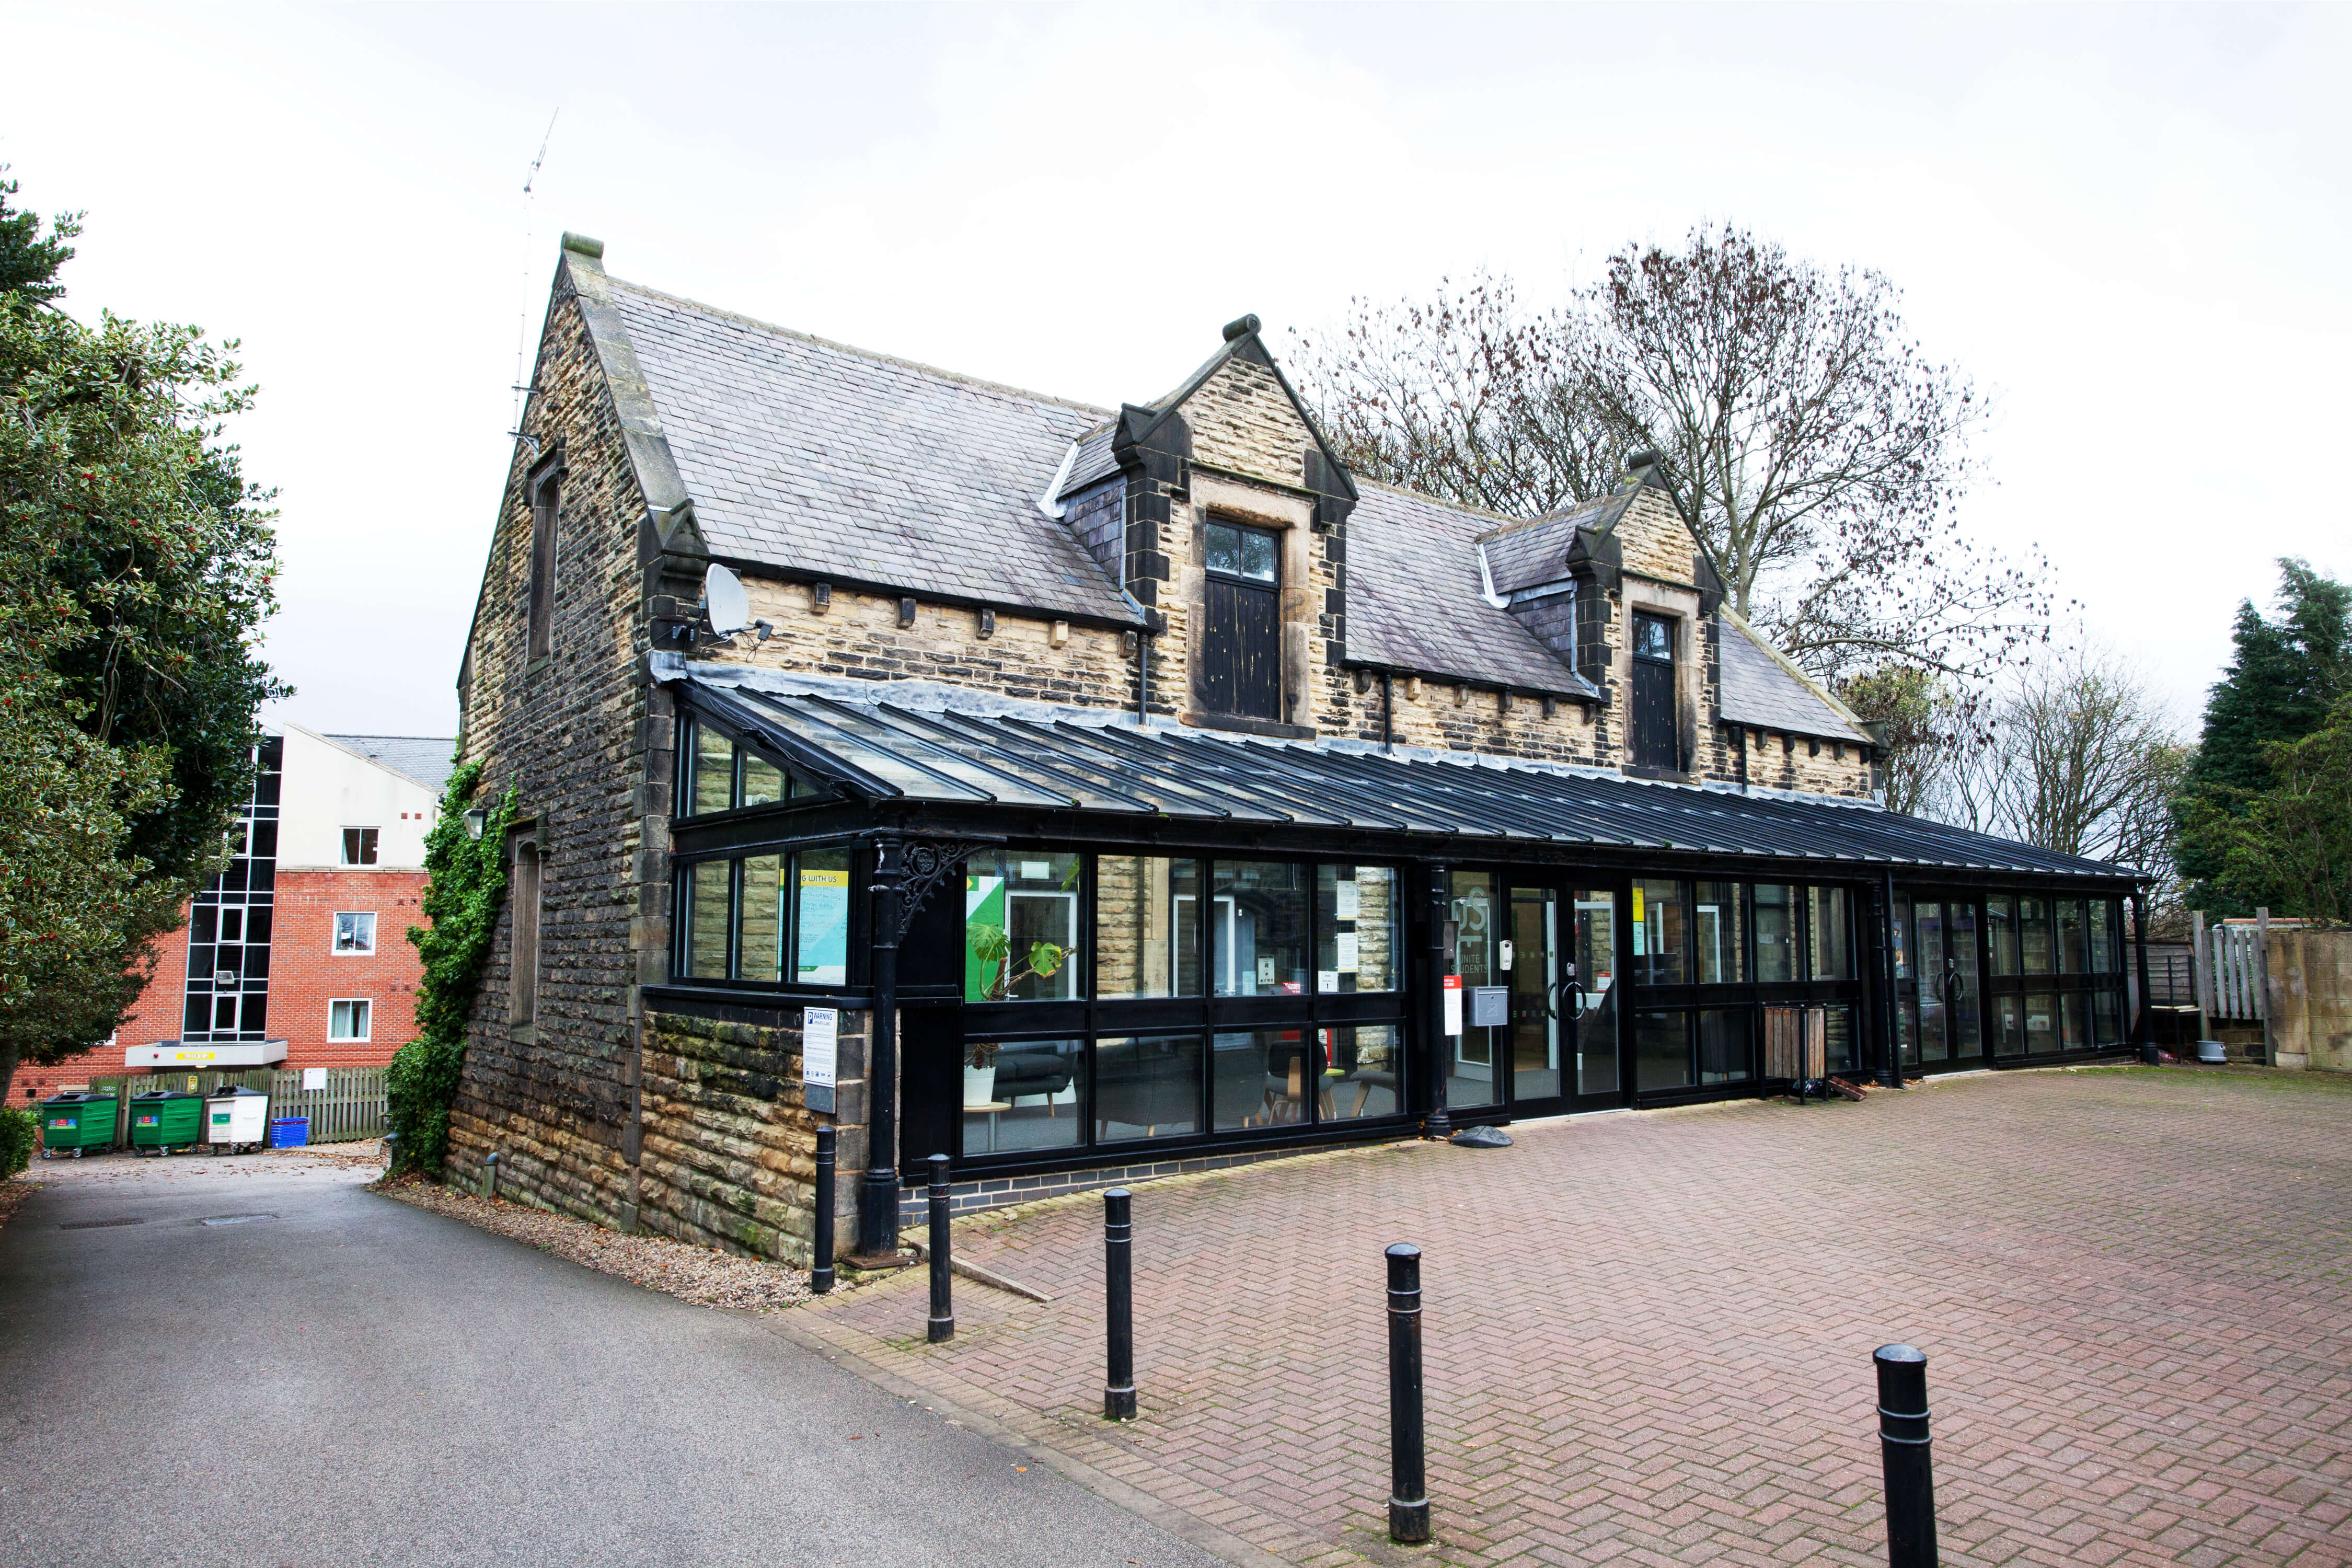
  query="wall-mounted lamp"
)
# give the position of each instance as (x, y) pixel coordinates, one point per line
(475, 820)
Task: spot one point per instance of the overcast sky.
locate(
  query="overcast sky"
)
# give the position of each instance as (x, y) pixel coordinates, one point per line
(2129, 224)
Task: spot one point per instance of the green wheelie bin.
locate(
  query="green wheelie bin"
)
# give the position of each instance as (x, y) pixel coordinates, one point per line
(75, 1122)
(166, 1119)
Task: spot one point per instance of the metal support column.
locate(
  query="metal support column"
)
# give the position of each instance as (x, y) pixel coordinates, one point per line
(877, 1196)
(1890, 1039)
(1437, 1124)
(2142, 1027)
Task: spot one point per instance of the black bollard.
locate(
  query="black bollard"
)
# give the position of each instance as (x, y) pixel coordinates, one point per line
(1408, 1485)
(821, 1270)
(490, 1174)
(942, 1303)
(1903, 1442)
(1118, 1305)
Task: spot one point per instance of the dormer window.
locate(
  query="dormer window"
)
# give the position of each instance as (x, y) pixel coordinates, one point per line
(1241, 646)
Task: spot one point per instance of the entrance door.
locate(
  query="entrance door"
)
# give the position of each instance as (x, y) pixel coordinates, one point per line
(1560, 1051)
(1938, 1011)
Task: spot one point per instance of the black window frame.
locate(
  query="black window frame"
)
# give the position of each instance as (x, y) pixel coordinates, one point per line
(799, 790)
(1092, 1017)
(1751, 995)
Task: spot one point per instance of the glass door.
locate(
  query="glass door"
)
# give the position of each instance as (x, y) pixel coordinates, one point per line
(1537, 958)
(1938, 983)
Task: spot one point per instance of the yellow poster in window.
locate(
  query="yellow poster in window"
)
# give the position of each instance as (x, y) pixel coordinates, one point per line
(1637, 903)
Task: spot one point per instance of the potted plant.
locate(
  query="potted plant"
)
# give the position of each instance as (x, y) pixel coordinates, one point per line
(993, 948)
(979, 1073)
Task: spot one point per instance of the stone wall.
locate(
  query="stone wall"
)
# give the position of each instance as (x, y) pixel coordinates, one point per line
(2311, 998)
(570, 730)
(1655, 541)
(860, 636)
(730, 1156)
(1243, 420)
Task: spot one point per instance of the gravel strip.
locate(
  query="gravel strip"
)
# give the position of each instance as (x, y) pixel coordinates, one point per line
(701, 1275)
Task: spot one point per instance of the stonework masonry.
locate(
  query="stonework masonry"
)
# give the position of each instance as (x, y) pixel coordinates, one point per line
(859, 636)
(570, 731)
(730, 1145)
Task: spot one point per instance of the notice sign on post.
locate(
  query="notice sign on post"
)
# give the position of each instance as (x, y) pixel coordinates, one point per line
(820, 1042)
(313, 1079)
(1454, 1004)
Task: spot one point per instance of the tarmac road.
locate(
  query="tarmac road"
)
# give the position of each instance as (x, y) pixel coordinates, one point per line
(352, 1381)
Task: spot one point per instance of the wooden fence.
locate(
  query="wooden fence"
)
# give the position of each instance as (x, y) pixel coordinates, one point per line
(2238, 983)
(350, 1106)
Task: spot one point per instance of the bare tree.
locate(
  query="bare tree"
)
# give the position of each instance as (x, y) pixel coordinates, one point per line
(1821, 454)
(1463, 397)
(2076, 756)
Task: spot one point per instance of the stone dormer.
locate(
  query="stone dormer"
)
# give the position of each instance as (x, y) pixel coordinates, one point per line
(1235, 516)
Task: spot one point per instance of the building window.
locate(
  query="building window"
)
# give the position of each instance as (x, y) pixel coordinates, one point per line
(546, 504)
(1021, 927)
(359, 845)
(1357, 942)
(522, 978)
(347, 1020)
(355, 932)
(750, 919)
(1825, 926)
(1240, 643)
(1718, 934)
(1146, 926)
(1102, 991)
(716, 774)
(1655, 740)
(1661, 939)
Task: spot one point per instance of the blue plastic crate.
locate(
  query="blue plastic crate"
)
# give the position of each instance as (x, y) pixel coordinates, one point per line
(289, 1132)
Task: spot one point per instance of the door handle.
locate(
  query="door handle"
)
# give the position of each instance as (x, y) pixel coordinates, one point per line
(1567, 987)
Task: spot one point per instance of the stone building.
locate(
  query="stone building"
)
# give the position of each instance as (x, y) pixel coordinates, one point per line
(1122, 788)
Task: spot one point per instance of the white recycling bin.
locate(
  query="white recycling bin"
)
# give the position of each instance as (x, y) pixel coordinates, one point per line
(236, 1117)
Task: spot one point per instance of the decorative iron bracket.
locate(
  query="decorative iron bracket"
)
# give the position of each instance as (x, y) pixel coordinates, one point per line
(925, 864)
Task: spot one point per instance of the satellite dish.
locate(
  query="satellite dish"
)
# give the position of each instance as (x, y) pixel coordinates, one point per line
(724, 601)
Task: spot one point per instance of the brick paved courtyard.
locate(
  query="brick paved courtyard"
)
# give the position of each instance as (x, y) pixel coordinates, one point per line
(1649, 1335)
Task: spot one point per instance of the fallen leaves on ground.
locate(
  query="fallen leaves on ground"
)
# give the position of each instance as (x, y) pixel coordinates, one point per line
(12, 1193)
(701, 1275)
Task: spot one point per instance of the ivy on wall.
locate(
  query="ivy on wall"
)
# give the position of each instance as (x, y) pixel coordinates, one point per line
(466, 878)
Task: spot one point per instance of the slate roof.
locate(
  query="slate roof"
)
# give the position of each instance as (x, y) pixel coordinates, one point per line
(928, 742)
(426, 759)
(1414, 600)
(1759, 691)
(1093, 462)
(1530, 554)
(820, 458)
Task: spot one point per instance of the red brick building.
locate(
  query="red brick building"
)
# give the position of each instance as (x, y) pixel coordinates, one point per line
(297, 956)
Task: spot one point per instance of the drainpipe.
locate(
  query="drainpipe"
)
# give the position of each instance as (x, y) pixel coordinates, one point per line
(1388, 709)
(2144, 1026)
(1143, 677)
(1890, 1049)
(877, 1196)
